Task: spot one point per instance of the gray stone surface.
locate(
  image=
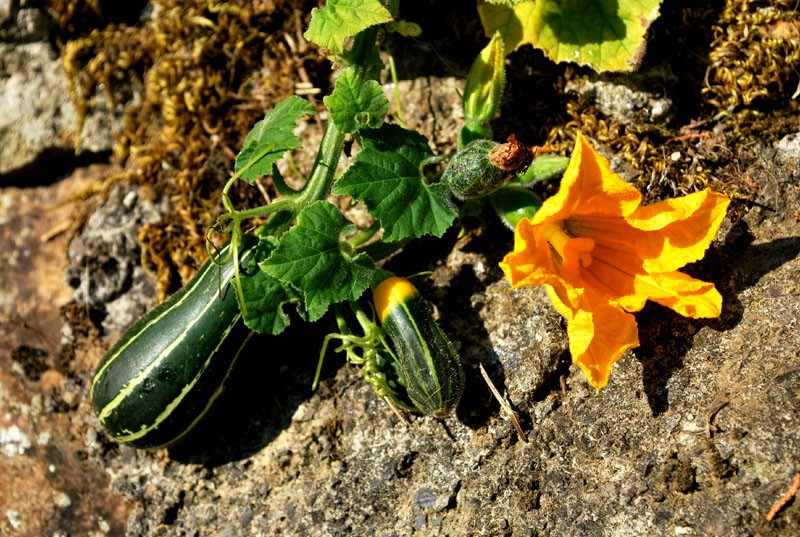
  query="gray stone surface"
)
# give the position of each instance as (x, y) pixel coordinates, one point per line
(43, 465)
(35, 112)
(25, 23)
(105, 268)
(625, 102)
(38, 118)
(788, 147)
(6, 7)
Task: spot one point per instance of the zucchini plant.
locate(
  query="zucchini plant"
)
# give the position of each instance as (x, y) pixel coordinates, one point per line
(161, 377)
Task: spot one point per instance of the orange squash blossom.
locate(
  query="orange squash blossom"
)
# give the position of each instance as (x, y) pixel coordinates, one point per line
(601, 255)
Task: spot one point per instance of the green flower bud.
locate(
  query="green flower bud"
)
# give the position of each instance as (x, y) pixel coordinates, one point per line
(483, 166)
(486, 82)
(544, 168)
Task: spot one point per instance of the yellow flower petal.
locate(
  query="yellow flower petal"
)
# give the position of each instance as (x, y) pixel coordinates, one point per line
(598, 337)
(529, 263)
(589, 186)
(682, 229)
(677, 291)
(566, 300)
(599, 333)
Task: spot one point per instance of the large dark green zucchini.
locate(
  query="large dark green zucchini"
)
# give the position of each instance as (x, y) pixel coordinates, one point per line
(429, 365)
(164, 373)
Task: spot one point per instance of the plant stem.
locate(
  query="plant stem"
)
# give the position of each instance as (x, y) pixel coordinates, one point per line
(396, 92)
(359, 239)
(322, 174)
(321, 179)
(283, 204)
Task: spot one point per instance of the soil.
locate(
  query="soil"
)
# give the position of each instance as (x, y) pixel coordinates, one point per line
(697, 432)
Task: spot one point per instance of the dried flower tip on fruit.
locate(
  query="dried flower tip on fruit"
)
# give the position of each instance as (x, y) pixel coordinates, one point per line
(511, 156)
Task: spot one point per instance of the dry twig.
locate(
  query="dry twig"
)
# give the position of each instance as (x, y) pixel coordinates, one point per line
(57, 230)
(791, 493)
(719, 402)
(510, 411)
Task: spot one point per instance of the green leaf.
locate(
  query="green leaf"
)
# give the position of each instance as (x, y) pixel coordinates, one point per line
(607, 35)
(356, 103)
(386, 176)
(340, 19)
(265, 296)
(312, 258)
(270, 138)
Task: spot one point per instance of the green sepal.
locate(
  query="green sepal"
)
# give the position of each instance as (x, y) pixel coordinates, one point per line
(544, 168)
(471, 131)
(513, 203)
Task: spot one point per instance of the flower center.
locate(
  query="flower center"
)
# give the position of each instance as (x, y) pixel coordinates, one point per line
(575, 252)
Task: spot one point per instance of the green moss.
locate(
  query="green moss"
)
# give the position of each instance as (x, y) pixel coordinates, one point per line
(193, 77)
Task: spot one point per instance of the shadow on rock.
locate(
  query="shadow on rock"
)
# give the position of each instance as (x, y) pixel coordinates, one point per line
(666, 337)
(460, 302)
(516, 336)
(271, 380)
(477, 405)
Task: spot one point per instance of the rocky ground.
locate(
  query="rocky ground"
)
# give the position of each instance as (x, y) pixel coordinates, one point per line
(696, 434)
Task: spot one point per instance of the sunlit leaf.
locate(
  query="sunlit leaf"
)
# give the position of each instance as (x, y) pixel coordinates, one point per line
(386, 176)
(270, 138)
(315, 261)
(340, 19)
(607, 35)
(356, 103)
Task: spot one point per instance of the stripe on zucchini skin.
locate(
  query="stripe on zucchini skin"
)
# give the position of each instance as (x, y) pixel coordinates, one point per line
(180, 416)
(128, 338)
(214, 396)
(213, 300)
(130, 436)
(145, 374)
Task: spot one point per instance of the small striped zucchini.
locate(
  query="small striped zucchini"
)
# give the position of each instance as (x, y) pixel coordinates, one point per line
(427, 361)
(160, 378)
